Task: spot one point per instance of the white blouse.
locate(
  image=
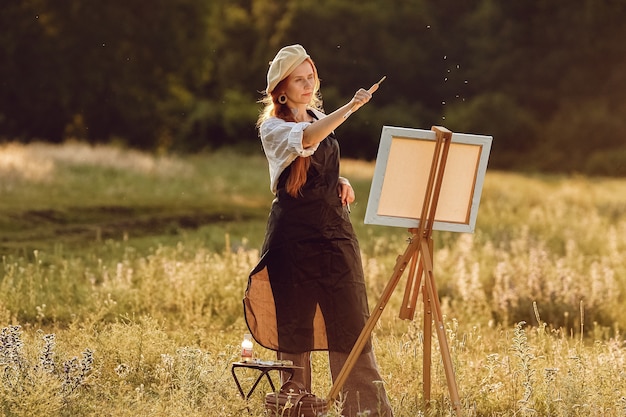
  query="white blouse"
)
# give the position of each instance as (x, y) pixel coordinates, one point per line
(282, 144)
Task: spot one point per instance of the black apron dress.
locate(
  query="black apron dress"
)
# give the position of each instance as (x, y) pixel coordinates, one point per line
(308, 292)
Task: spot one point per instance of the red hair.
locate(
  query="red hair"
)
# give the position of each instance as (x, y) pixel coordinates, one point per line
(300, 166)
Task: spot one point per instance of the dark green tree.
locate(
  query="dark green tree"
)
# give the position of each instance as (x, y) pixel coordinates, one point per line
(544, 77)
(100, 70)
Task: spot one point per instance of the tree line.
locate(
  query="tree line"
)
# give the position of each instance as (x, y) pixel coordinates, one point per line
(544, 77)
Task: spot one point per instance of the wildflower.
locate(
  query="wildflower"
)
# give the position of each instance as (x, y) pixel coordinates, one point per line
(75, 372)
(168, 361)
(122, 370)
(11, 345)
(46, 357)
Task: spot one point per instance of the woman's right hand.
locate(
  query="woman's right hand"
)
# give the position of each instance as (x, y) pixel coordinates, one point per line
(319, 129)
(361, 97)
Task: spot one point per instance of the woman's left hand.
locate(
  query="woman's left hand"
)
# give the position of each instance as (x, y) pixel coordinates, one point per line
(346, 193)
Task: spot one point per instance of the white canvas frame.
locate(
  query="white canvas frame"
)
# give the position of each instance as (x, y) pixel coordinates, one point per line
(401, 176)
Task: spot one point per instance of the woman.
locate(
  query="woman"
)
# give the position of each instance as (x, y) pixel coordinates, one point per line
(307, 292)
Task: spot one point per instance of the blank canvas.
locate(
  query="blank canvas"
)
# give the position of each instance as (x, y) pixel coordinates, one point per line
(401, 179)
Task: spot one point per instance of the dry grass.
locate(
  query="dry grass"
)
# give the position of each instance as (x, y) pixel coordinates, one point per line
(37, 161)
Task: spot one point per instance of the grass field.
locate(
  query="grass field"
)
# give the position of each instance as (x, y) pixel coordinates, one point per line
(123, 273)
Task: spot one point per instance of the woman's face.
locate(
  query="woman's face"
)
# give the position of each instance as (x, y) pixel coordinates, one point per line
(300, 85)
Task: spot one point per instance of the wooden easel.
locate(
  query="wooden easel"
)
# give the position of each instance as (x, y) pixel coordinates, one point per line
(419, 253)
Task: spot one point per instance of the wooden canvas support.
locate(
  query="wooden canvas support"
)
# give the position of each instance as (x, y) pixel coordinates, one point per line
(419, 253)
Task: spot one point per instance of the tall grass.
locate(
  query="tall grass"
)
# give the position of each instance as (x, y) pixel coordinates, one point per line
(149, 325)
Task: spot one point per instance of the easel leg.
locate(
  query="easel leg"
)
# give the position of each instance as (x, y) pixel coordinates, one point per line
(411, 292)
(407, 312)
(431, 293)
(428, 337)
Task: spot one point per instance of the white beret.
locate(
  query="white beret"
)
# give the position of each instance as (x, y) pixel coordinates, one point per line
(283, 64)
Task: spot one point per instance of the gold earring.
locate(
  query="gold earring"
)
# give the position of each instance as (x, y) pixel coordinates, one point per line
(282, 99)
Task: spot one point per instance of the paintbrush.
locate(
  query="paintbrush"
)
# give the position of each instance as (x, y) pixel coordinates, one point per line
(371, 91)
